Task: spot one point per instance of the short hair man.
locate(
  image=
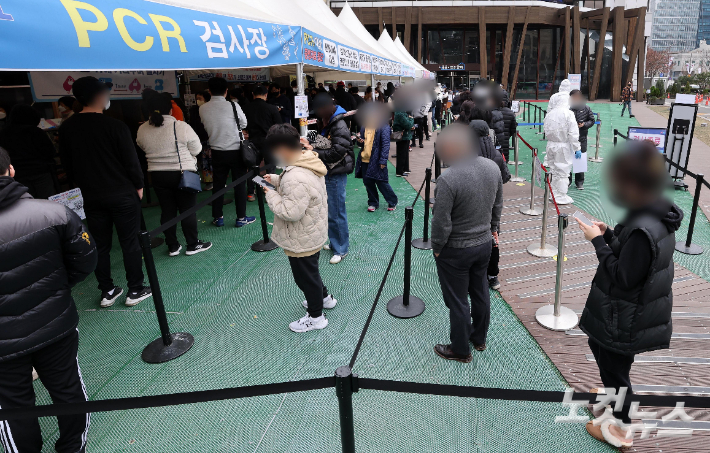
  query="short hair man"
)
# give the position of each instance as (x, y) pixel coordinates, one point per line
(220, 118)
(46, 251)
(98, 153)
(469, 201)
(626, 95)
(261, 116)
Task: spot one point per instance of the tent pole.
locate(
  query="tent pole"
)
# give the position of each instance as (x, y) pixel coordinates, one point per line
(303, 128)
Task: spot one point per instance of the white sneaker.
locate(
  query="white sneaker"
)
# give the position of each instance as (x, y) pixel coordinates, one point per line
(326, 247)
(337, 258)
(109, 297)
(329, 302)
(307, 323)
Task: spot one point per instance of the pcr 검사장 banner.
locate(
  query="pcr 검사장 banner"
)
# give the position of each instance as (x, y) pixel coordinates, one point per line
(136, 34)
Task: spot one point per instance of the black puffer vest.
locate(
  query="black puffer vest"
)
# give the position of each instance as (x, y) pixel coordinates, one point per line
(635, 320)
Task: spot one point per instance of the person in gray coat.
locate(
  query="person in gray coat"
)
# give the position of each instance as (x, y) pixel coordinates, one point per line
(466, 218)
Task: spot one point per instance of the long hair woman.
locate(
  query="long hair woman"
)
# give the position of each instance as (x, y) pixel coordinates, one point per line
(170, 148)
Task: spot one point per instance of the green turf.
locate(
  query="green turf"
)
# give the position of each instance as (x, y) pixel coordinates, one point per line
(238, 303)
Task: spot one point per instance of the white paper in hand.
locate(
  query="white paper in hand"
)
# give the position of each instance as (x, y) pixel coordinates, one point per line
(579, 165)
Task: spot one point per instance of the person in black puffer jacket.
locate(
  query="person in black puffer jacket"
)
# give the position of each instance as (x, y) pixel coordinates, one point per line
(46, 250)
(628, 310)
(340, 160)
(585, 120)
(510, 124)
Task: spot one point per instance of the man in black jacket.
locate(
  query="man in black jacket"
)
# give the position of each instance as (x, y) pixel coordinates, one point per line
(260, 117)
(585, 120)
(99, 156)
(281, 101)
(340, 160)
(506, 124)
(628, 310)
(45, 251)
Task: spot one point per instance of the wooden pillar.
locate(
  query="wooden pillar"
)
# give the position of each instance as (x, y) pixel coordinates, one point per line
(408, 28)
(616, 53)
(641, 70)
(380, 19)
(566, 50)
(483, 54)
(508, 45)
(635, 48)
(514, 82)
(576, 57)
(394, 22)
(594, 90)
(420, 42)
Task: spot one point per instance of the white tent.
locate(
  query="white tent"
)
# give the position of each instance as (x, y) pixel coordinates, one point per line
(388, 44)
(409, 57)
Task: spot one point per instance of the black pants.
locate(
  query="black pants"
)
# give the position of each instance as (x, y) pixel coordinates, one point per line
(579, 177)
(462, 273)
(307, 275)
(493, 269)
(372, 185)
(402, 157)
(222, 163)
(172, 200)
(124, 212)
(58, 368)
(614, 370)
(418, 132)
(40, 185)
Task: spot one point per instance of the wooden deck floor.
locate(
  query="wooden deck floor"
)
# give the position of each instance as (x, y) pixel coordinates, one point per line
(528, 283)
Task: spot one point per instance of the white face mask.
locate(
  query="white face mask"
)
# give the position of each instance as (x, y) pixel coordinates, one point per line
(200, 102)
(108, 104)
(62, 109)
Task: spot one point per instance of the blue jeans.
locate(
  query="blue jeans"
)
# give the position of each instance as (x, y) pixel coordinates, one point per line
(626, 105)
(337, 216)
(371, 186)
(433, 119)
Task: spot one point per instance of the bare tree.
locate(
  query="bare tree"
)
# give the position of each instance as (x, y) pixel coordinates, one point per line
(657, 62)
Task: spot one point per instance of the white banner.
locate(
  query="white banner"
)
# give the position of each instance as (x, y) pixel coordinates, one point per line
(233, 75)
(50, 86)
(330, 51)
(348, 58)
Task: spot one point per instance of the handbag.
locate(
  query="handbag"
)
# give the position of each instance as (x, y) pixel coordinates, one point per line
(189, 180)
(396, 136)
(250, 153)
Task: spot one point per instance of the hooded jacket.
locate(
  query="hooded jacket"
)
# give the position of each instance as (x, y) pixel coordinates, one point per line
(378, 156)
(300, 206)
(506, 124)
(488, 150)
(46, 250)
(629, 306)
(583, 114)
(340, 157)
(344, 99)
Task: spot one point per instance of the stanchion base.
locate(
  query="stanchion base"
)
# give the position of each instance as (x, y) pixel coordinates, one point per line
(261, 246)
(152, 204)
(533, 211)
(156, 242)
(598, 161)
(518, 179)
(397, 308)
(548, 252)
(546, 318)
(157, 352)
(694, 249)
(421, 244)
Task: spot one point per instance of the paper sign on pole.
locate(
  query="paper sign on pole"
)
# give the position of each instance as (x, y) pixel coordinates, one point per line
(301, 106)
(575, 81)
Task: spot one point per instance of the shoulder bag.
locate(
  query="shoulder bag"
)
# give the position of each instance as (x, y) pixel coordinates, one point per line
(189, 180)
(250, 154)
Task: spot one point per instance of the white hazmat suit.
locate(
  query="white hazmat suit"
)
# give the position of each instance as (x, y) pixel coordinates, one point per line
(562, 134)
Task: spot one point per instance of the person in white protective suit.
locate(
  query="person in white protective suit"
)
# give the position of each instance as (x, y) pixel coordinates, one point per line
(562, 134)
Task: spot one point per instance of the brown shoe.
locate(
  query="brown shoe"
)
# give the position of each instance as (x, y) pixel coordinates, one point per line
(479, 347)
(444, 351)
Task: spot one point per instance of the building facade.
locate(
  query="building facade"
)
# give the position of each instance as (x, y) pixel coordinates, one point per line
(695, 61)
(675, 25)
(528, 47)
(704, 22)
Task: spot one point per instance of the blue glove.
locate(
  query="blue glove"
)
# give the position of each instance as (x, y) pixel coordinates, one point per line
(578, 154)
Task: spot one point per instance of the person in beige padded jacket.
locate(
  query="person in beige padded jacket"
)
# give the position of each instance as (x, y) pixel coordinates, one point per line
(300, 207)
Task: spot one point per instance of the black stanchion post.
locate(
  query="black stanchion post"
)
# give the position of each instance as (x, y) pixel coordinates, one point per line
(345, 385)
(424, 243)
(406, 305)
(534, 116)
(543, 120)
(170, 345)
(437, 165)
(687, 247)
(265, 244)
(615, 132)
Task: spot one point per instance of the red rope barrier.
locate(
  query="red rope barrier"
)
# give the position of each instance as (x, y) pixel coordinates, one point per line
(521, 138)
(553, 196)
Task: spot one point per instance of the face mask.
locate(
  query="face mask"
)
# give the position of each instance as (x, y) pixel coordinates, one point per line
(108, 104)
(62, 109)
(200, 102)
